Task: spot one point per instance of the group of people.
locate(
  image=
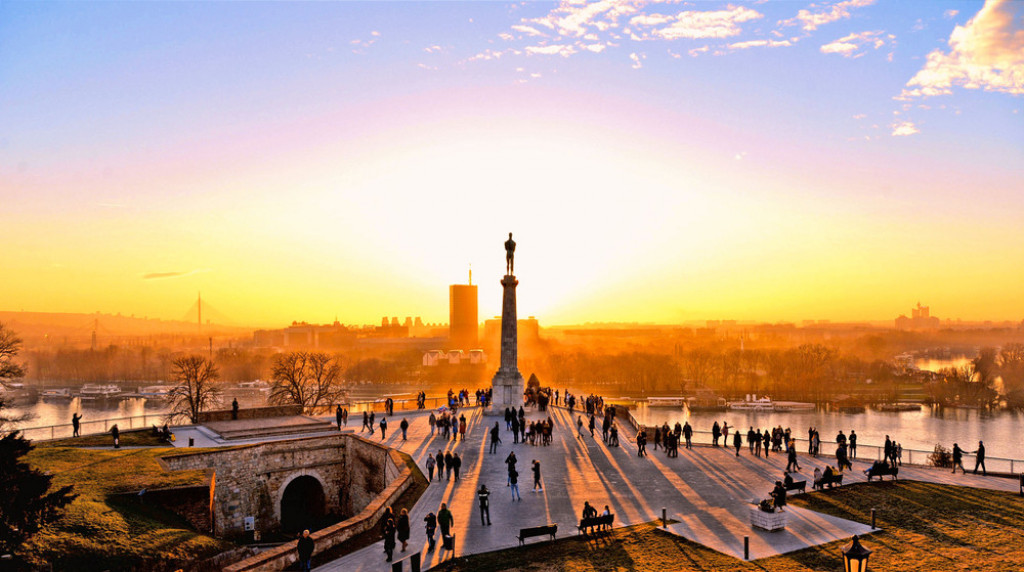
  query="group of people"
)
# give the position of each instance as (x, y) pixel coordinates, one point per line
(668, 438)
(979, 459)
(446, 463)
(447, 425)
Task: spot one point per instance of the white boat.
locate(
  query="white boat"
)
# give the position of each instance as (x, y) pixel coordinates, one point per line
(56, 394)
(675, 402)
(752, 403)
(156, 391)
(95, 391)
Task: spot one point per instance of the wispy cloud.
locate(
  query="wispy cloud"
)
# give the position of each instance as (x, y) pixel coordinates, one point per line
(637, 60)
(986, 53)
(165, 275)
(564, 50)
(820, 15)
(696, 24)
(760, 44)
(856, 45)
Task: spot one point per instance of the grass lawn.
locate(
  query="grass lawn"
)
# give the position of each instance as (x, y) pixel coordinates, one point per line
(926, 528)
(97, 533)
(131, 438)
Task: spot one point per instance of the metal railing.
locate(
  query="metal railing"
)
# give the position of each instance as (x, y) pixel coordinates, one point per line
(864, 451)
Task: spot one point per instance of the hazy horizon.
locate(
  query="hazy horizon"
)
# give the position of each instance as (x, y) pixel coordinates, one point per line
(657, 162)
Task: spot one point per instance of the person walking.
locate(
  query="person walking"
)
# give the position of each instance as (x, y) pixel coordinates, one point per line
(688, 435)
(593, 423)
(579, 427)
(305, 549)
(778, 495)
(853, 444)
(445, 521)
(513, 479)
(234, 409)
(979, 460)
(116, 434)
(510, 463)
(404, 426)
(495, 438)
(76, 425)
(383, 428)
(439, 459)
(792, 458)
(462, 427)
(337, 417)
(456, 465)
(403, 528)
(483, 496)
(370, 424)
(366, 421)
(536, 476)
(389, 538)
(641, 442)
(431, 463)
(958, 459)
(432, 421)
(431, 527)
(737, 441)
(449, 464)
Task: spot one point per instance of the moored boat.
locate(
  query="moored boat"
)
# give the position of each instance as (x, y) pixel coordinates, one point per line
(97, 392)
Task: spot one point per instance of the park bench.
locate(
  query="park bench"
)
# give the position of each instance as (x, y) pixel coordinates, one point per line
(880, 469)
(595, 521)
(546, 530)
(836, 479)
(797, 486)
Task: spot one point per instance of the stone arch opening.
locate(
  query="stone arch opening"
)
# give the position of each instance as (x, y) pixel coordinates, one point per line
(302, 504)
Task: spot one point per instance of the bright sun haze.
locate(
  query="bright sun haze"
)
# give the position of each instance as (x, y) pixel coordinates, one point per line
(655, 163)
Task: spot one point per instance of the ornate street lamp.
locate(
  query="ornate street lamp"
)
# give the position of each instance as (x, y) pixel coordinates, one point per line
(855, 556)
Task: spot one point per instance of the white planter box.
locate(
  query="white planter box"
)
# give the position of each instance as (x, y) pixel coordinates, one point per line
(770, 521)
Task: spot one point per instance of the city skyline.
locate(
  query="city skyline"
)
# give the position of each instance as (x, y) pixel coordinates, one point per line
(657, 162)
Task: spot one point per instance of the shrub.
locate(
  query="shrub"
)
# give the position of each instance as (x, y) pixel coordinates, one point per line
(941, 457)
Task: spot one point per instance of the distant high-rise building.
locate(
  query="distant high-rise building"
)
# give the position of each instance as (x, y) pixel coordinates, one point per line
(463, 327)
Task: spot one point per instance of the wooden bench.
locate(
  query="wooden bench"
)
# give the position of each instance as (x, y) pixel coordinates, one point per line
(546, 530)
(836, 479)
(880, 470)
(797, 486)
(595, 521)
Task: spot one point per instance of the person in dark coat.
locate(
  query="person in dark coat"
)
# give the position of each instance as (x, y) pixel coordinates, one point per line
(791, 463)
(76, 424)
(402, 527)
(372, 415)
(337, 416)
(445, 520)
(389, 538)
(234, 409)
(439, 458)
(778, 495)
(737, 441)
(116, 434)
(978, 462)
(448, 465)
(305, 548)
(958, 459)
(456, 465)
(431, 527)
(383, 428)
(536, 476)
(483, 496)
(404, 426)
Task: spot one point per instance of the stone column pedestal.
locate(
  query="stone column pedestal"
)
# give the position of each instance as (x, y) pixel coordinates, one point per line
(507, 386)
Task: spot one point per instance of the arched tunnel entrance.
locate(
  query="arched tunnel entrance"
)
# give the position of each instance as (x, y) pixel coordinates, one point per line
(302, 504)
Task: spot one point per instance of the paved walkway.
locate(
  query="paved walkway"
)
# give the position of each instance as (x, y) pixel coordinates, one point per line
(707, 489)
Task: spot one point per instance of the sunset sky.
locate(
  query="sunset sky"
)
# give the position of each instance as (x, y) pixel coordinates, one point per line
(656, 161)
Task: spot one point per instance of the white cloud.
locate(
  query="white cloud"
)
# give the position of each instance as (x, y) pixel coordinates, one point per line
(950, 14)
(563, 50)
(828, 14)
(637, 63)
(860, 116)
(985, 53)
(760, 44)
(739, 156)
(706, 24)
(650, 20)
(528, 30)
(698, 51)
(596, 48)
(572, 18)
(432, 49)
(854, 45)
(904, 129)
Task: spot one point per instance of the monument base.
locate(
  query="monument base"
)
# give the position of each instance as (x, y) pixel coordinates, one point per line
(507, 388)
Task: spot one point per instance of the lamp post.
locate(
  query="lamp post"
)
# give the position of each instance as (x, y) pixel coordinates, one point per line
(855, 556)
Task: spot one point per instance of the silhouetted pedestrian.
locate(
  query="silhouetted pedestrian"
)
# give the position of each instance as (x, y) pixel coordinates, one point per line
(234, 409)
(979, 460)
(404, 425)
(305, 549)
(383, 428)
(76, 424)
(116, 434)
(431, 527)
(402, 527)
(483, 496)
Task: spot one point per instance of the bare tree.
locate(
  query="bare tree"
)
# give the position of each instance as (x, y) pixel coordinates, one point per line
(196, 389)
(10, 345)
(306, 378)
(1011, 368)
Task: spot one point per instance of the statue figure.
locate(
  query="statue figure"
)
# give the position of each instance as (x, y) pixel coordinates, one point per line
(510, 252)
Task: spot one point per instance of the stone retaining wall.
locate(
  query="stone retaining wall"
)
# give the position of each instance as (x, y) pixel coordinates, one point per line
(251, 413)
(397, 476)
